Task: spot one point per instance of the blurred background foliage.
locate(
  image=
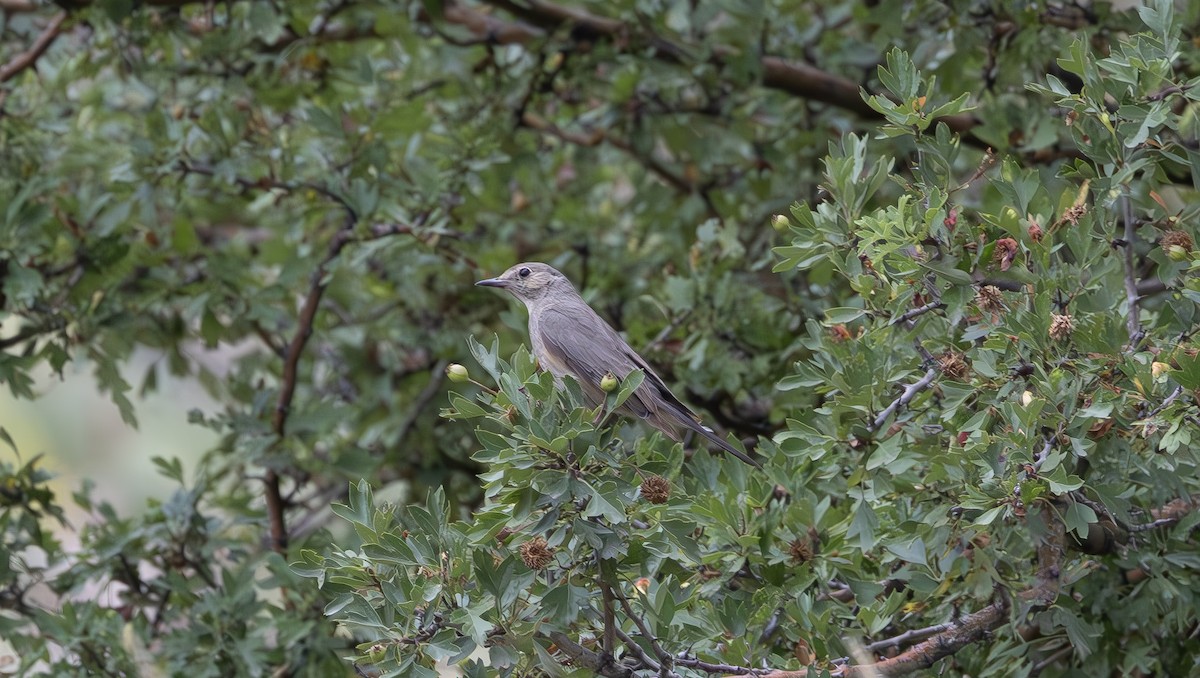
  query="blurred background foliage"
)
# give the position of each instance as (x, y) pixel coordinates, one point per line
(931, 259)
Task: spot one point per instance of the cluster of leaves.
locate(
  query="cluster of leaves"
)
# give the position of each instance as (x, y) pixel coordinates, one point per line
(963, 362)
(1000, 421)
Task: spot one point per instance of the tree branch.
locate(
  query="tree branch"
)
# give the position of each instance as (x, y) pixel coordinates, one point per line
(33, 331)
(318, 281)
(1134, 321)
(1165, 403)
(669, 176)
(1049, 555)
(917, 312)
(29, 57)
(664, 657)
(905, 398)
(585, 658)
(798, 79)
(908, 636)
(961, 632)
(946, 639)
(638, 651)
(19, 6)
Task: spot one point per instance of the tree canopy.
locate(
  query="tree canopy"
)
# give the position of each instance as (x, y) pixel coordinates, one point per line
(932, 262)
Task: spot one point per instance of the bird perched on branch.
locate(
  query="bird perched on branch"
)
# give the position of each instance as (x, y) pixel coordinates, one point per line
(569, 338)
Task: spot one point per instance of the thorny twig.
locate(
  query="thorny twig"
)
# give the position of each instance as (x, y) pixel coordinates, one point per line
(1165, 403)
(904, 398)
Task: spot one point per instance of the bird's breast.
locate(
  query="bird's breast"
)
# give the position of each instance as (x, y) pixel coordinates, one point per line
(545, 358)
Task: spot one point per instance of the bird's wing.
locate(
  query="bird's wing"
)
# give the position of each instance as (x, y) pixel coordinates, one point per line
(579, 339)
(590, 348)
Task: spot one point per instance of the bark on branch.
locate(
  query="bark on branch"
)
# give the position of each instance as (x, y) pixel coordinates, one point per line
(796, 78)
(29, 57)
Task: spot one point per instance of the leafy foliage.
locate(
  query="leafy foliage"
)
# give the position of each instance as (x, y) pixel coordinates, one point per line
(964, 352)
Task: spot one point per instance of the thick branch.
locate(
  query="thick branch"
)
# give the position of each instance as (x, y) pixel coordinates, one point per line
(798, 79)
(30, 56)
(961, 633)
(1133, 321)
(19, 6)
(1050, 555)
(585, 658)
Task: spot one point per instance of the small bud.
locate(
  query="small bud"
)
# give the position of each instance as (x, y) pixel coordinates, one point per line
(536, 554)
(608, 383)
(1026, 398)
(656, 489)
(457, 373)
(780, 223)
(642, 584)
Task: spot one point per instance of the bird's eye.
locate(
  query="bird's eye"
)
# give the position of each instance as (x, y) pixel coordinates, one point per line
(524, 272)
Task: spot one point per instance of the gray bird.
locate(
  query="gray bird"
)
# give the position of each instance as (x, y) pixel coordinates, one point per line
(570, 339)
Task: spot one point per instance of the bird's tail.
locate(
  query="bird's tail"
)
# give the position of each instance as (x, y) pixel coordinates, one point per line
(721, 443)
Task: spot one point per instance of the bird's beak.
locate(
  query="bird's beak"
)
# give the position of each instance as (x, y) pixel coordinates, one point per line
(493, 282)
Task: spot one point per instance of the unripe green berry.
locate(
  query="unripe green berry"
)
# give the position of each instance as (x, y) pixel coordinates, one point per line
(608, 383)
(780, 222)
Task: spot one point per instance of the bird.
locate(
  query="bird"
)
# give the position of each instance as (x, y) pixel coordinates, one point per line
(571, 339)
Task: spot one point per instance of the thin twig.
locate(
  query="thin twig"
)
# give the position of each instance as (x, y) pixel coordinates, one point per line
(1061, 653)
(916, 312)
(265, 183)
(666, 331)
(663, 656)
(1154, 525)
(436, 377)
(1165, 403)
(1100, 509)
(29, 57)
(33, 331)
(909, 636)
(709, 667)
(669, 176)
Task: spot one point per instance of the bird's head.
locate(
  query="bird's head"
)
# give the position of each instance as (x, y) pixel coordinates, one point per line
(529, 282)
